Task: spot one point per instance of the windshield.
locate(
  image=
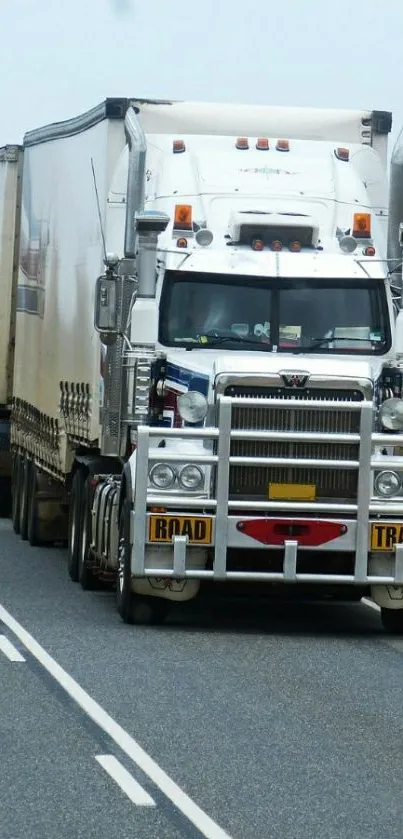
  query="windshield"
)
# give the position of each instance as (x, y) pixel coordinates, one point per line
(282, 314)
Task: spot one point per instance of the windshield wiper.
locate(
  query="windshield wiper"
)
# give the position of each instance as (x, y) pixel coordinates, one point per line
(320, 342)
(216, 340)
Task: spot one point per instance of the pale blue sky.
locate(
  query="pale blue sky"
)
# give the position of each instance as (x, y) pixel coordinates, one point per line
(57, 60)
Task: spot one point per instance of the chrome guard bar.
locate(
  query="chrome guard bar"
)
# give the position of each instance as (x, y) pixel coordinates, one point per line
(221, 506)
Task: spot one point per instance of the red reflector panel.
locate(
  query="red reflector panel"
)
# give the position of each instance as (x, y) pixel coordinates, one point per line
(309, 534)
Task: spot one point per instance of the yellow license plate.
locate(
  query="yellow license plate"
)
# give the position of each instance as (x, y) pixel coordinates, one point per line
(292, 492)
(385, 535)
(198, 529)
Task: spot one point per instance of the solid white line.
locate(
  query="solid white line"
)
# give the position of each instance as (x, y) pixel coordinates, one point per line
(125, 781)
(209, 828)
(371, 604)
(9, 650)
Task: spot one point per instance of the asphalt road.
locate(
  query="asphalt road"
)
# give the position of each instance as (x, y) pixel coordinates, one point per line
(280, 723)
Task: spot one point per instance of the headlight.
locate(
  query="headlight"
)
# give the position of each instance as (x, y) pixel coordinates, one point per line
(191, 477)
(387, 484)
(162, 476)
(391, 414)
(192, 406)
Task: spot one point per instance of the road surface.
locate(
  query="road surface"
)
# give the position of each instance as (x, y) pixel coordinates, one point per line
(229, 721)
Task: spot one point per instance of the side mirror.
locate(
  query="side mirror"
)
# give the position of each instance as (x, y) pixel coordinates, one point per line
(106, 309)
(401, 234)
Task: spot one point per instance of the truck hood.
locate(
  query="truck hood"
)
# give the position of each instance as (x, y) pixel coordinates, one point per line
(274, 363)
(213, 364)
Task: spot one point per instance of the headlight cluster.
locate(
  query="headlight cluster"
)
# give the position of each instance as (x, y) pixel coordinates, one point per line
(165, 476)
(388, 483)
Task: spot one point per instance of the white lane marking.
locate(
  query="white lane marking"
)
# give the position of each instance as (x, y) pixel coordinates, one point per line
(125, 781)
(9, 649)
(209, 828)
(371, 604)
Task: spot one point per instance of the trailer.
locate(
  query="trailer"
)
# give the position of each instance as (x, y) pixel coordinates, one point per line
(10, 202)
(207, 380)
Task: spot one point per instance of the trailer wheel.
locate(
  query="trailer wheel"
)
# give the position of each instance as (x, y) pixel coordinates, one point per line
(75, 522)
(85, 575)
(26, 465)
(392, 621)
(16, 493)
(32, 528)
(134, 608)
(5, 497)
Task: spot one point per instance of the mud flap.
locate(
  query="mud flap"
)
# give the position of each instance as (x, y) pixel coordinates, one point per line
(168, 587)
(388, 597)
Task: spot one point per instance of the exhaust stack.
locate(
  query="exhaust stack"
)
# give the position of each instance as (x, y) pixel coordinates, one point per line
(135, 178)
(149, 224)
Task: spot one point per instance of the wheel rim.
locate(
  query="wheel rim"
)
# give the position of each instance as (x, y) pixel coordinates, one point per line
(121, 564)
(73, 526)
(24, 493)
(83, 551)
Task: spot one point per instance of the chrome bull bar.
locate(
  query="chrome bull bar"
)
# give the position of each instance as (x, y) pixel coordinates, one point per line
(221, 506)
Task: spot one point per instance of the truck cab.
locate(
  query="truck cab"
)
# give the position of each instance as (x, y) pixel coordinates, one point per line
(270, 321)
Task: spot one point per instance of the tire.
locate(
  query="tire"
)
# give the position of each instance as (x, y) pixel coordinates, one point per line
(5, 497)
(85, 575)
(32, 527)
(16, 493)
(133, 608)
(124, 596)
(392, 621)
(75, 523)
(26, 466)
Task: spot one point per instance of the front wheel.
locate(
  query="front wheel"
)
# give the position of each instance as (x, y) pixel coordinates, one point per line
(124, 596)
(133, 608)
(392, 621)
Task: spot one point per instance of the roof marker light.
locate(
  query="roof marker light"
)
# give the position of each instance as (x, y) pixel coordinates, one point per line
(258, 245)
(178, 146)
(277, 245)
(262, 144)
(369, 251)
(183, 217)
(342, 154)
(242, 143)
(362, 225)
(283, 145)
(182, 242)
(294, 247)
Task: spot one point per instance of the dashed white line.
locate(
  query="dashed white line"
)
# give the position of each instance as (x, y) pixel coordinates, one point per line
(125, 781)
(10, 650)
(206, 826)
(371, 604)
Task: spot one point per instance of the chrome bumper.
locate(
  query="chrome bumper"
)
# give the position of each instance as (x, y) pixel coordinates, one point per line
(223, 510)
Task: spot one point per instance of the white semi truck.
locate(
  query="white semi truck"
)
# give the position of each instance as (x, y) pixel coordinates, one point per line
(208, 360)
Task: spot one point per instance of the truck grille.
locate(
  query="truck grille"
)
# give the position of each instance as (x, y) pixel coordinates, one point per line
(253, 481)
